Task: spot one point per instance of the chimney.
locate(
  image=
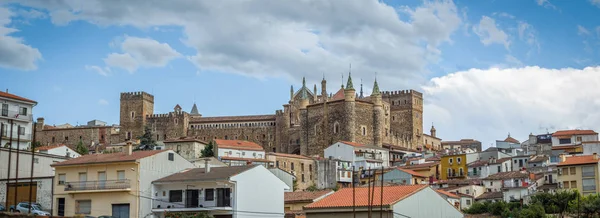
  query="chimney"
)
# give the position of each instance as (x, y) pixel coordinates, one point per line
(563, 158)
(129, 148)
(595, 156)
(206, 166)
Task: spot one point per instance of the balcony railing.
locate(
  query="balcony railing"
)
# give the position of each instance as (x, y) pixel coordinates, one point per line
(192, 204)
(12, 114)
(516, 185)
(369, 156)
(23, 137)
(98, 185)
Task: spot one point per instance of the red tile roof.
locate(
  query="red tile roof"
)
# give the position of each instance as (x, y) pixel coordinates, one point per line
(338, 95)
(411, 172)
(574, 132)
(246, 159)
(355, 144)
(511, 140)
(108, 158)
(48, 147)
(419, 166)
(490, 195)
(448, 194)
(238, 144)
(343, 197)
(11, 96)
(290, 155)
(577, 160)
(306, 196)
(507, 175)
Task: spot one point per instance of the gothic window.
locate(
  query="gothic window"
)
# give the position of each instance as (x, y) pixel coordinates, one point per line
(175, 121)
(226, 137)
(336, 127)
(394, 118)
(364, 130)
(132, 114)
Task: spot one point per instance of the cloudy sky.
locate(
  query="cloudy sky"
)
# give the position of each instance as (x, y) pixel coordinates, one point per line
(486, 68)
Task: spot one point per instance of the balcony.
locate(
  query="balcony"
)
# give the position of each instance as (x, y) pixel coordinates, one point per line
(98, 186)
(22, 137)
(194, 200)
(12, 114)
(508, 185)
(456, 175)
(369, 156)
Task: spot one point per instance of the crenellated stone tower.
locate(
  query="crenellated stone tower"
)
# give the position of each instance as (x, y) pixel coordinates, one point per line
(135, 107)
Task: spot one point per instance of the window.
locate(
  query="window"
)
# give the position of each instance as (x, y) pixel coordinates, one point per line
(393, 118)
(460, 171)
(302, 177)
(23, 111)
(310, 168)
(573, 184)
(589, 184)
(66, 138)
(132, 114)
(209, 194)
(565, 171)
(450, 161)
(84, 207)
(292, 166)
(566, 184)
(588, 171)
(36, 160)
(171, 156)
(121, 175)
(572, 171)
(175, 195)
(128, 135)
(364, 130)
(5, 110)
(83, 177)
(21, 130)
(277, 164)
(302, 166)
(61, 179)
(564, 141)
(458, 160)
(468, 202)
(467, 191)
(449, 172)
(578, 139)
(336, 127)
(499, 169)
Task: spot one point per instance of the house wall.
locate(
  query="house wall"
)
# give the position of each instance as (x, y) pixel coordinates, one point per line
(62, 151)
(286, 177)
(43, 192)
(258, 190)
(162, 190)
(303, 169)
(517, 160)
(492, 185)
(505, 166)
(515, 193)
(155, 167)
(591, 148)
(421, 203)
(584, 138)
(466, 202)
(25, 121)
(456, 166)
(401, 177)
(340, 151)
(188, 150)
(474, 190)
(567, 176)
(225, 152)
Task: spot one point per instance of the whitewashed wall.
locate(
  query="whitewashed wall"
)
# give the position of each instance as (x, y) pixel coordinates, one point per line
(420, 204)
(258, 190)
(226, 152)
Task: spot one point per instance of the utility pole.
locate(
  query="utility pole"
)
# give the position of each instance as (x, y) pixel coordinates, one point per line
(32, 164)
(17, 165)
(373, 192)
(369, 194)
(9, 162)
(353, 194)
(381, 195)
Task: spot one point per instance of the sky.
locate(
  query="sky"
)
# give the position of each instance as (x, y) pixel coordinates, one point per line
(486, 68)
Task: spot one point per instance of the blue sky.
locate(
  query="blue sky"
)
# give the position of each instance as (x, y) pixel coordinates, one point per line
(466, 56)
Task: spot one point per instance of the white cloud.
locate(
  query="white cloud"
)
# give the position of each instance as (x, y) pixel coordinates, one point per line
(529, 35)
(274, 38)
(515, 100)
(547, 4)
(140, 52)
(489, 33)
(582, 30)
(513, 61)
(102, 71)
(102, 102)
(595, 2)
(15, 53)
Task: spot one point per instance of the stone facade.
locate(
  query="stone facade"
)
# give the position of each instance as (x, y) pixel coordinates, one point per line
(308, 123)
(300, 166)
(89, 135)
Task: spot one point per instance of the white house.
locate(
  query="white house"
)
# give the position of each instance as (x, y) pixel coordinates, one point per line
(515, 185)
(240, 153)
(570, 137)
(16, 120)
(519, 162)
(538, 161)
(59, 150)
(417, 201)
(485, 168)
(236, 191)
(452, 198)
(43, 174)
(361, 155)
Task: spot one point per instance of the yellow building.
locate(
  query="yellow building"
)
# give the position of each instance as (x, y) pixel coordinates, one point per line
(579, 172)
(116, 184)
(453, 166)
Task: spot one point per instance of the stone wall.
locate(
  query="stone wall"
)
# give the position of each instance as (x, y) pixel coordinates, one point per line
(262, 135)
(406, 109)
(169, 126)
(71, 136)
(364, 118)
(285, 163)
(135, 106)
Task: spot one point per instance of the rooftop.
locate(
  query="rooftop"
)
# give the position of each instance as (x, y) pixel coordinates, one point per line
(507, 175)
(419, 166)
(578, 160)
(289, 155)
(238, 144)
(305, 196)
(574, 132)
(511, 139)
(461, 142)
(343, 197)
(15, 97)
(48, 147)
(490, 195)
(197, 174)
(538, 159)
(108, 158)
(411, 172)
(447, 194)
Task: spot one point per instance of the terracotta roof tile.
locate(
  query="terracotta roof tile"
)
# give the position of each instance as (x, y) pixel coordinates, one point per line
(238, 144)
(343, 197)
(577, 160)
(16, 97)
(419, 166)
(490, 195)
(48, 147)
(511, 140)
(355, 144)
(573, 132)
(538, 159)
(289, 155)
(477, 163)
(245, 159)
(197, 174)
(411, 172)
(507, 175)
(338, 95)
(108, 158)
(448, 194)
(306, 196)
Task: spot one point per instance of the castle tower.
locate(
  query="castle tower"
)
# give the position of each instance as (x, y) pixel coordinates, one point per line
(324, 90)
(378, 115)
(349, 107)
(134, 107)
(292, 93)
(304, 123)
(315, 94)
(177, 108)
(432, 131)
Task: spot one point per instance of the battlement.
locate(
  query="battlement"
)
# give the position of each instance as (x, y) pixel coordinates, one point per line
(402, 93)
(166, 116)
(136, 96)
(279, 112)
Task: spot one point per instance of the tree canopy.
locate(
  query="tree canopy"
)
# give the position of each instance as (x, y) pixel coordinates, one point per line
(208, 150)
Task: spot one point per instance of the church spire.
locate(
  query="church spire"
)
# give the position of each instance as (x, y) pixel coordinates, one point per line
(376, 88)
(194, 110)
(361, 90)
(349, 85)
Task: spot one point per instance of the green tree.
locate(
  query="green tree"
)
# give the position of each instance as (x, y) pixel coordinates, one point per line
(187, 215)
(586, 206)
(146, 139)
(208, 151)
(477, 208)
(532, 211)
(81, 148)
(497, 208)
(312, 188)
(36, 144)
(557, 203)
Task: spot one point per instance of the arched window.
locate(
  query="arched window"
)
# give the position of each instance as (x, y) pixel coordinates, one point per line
(132, 114)
(364, 130)
(336, 127)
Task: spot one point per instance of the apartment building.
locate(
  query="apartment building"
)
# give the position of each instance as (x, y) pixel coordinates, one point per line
(115, 184)
(485, 168)
(224, 192)
(331, 173)
(240, 152)
(302, 167)
(571, 137)
(579, 172)
(430, 170)
(59, 150)
(515, 185)
(404, 177)
(362, 156)
(454, 166)
(16, 120)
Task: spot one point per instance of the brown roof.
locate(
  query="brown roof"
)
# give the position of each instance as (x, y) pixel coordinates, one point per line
(578, 160)
(490, 195)
(502, 160)
(574, 132)
(538, 159)
(343, 197)
(411, 172)
(233, 118)
(354, 144)
(448, 194)
(419, 166)
(338, 95)
(197, 174)
(48, 147)
(16, 97)
(238, 144)
(477, 163)
(108, 158)
(548, 186)
(245, 159)
(305, 196)
(289, 155)
(562, 147)
(511, 140)
(433, 158)
(507, 175)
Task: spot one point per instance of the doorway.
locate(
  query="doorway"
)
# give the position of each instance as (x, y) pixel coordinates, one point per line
(61, 207)
(191, 198)
(120, 210)
(223, 197)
